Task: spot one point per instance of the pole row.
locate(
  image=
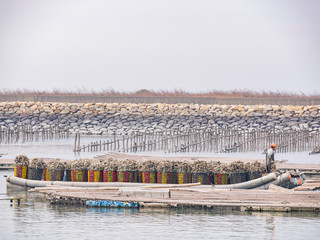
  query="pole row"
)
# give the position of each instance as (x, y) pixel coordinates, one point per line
(28, 133)
(206, 140)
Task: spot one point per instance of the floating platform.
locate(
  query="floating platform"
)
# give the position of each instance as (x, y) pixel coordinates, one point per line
(276, 199)
(137, 195)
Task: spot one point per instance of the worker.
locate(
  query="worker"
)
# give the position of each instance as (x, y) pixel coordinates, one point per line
(270, 157)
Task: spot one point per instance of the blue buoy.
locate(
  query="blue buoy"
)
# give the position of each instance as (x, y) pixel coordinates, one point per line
(111, 204)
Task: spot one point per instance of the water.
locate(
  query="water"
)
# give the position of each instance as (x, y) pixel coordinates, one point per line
(36, 219)
(63, 149)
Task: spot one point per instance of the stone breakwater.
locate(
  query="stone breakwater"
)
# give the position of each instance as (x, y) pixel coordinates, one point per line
(126, 118)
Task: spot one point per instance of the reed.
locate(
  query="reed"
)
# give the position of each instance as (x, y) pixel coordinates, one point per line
(236, 93)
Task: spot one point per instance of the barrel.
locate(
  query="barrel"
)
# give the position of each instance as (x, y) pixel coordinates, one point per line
(238, 177)
(138, 176)
(254, 175)
(164, 177)
(95, 175)
(110, 176)
(184, 177)
(174, 178)
(200, 177)
(210, 178)
(35, 173)
(220, 178)
(20, 171)
(68, 175)
(56, 175)
(149, 177)
(79, 175)
(46, 174)
(127, 176)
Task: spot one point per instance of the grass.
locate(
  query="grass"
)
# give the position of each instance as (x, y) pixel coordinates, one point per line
(160, 93)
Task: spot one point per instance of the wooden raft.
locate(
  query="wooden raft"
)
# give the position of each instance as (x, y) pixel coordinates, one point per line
(199, 198)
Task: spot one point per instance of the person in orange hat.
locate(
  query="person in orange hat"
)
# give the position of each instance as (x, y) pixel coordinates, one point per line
(270, 157)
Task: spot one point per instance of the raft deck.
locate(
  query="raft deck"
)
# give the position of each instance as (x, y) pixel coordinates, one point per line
(276, 199)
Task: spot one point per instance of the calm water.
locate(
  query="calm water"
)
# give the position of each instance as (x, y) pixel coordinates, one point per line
(63, 149)
(36, 219)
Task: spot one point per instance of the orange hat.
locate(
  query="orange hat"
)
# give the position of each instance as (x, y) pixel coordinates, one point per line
(273, 145)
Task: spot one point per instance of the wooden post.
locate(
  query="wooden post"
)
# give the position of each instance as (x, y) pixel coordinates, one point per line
(79, 141)
(75, 142)
(123, 145)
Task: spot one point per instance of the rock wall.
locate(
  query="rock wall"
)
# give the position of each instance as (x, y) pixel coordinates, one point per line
(125, 118)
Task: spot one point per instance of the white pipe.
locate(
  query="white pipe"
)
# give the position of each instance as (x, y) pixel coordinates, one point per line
(262, 183)
(38, 183)
(280, 181)
(27, 182)
(250, 184)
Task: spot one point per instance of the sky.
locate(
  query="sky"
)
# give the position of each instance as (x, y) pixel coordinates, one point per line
(190, 45)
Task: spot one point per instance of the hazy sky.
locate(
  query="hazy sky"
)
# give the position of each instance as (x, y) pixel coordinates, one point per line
(193, 45)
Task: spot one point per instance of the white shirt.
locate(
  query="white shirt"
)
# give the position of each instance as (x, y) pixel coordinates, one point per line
(271, 153)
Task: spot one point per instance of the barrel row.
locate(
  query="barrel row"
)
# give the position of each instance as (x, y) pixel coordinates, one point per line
(47, 174)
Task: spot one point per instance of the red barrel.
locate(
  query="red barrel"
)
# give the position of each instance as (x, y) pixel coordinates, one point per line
(110, 176)
(21, 171)
(149, 177)
(95, 175)
(127, 176)
(79, 175)
(220, 178)
(164, 178)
